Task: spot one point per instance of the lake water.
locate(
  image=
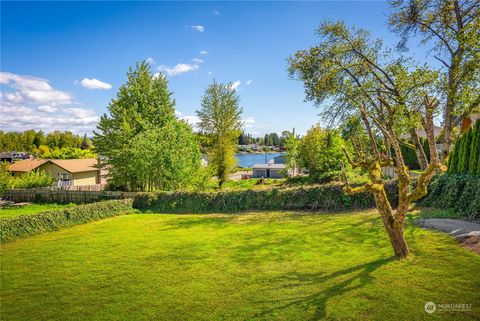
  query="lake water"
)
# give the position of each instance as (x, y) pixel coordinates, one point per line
(248, 160)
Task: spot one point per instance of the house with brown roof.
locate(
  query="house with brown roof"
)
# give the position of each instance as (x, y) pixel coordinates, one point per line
(76, 172)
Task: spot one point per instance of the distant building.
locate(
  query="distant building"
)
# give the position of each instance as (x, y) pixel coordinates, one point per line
(66, 172)
(422, 134)
(468, 122)
(268, 170)
(10, 157)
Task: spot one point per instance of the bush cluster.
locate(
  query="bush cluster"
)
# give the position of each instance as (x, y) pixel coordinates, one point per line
(319, 197)
(459, 192)
(26, 225)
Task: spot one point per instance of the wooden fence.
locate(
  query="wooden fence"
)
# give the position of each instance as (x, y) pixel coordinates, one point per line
(63, 196)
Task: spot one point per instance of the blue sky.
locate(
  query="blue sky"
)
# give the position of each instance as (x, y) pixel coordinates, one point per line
(59, 59)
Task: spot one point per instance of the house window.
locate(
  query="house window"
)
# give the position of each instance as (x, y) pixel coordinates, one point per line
(63, 177)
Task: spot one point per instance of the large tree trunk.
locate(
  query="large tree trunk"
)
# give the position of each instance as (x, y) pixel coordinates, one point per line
(393, 225)
(421, 157)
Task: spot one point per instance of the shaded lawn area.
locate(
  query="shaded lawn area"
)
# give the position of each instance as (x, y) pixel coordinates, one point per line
(30, 209)
(256, 266)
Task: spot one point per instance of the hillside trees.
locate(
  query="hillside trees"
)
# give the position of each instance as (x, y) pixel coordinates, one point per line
(37, 142)
(220, 118)
(348, 74)
(141, 139)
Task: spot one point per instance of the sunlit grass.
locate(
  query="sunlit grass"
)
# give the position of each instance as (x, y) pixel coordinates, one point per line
(255, 266)
(30, 209)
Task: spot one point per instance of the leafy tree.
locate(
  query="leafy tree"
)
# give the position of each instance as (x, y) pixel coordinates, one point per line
(65, 153)
(5, 177)
(452, 26)
(348, 74)
(320, 152)
(142, 103)
(292, 143)
(167, 158)
(220, 117)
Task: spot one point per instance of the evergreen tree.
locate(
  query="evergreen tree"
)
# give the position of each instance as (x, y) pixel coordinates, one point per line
(475, 149)
(453, 163)
(465, 152)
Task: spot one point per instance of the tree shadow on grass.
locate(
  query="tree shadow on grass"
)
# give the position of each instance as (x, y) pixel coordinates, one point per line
(360, 278)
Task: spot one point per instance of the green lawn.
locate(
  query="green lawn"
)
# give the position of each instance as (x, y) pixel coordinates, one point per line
(257, 266)
(30, 209)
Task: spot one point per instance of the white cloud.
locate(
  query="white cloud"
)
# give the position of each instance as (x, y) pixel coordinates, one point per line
(203, 52)
(192, 120)
(248, 122)
(235, 85)
(210, 73)
(249, 82)
(32, 89)
(95, 84)
(150, 61)
(177, 69)
(177, 113)
(197, 60)
(198, 28)
(32, 103)
(47, 108)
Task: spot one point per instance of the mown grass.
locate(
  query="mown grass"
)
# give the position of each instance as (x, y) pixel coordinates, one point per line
(251, 183)
(255, 266)
(30, 209)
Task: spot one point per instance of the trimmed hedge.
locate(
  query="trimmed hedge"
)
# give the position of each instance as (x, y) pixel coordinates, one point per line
(320, 197)
(26, 225)
(459, 192)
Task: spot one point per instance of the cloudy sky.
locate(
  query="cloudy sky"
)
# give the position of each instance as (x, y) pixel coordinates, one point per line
(61, 63)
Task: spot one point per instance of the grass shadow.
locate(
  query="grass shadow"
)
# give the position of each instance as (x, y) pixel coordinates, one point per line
(360, 278)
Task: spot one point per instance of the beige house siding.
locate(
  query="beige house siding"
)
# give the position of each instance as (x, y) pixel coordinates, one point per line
(55, 171)
(85, 178)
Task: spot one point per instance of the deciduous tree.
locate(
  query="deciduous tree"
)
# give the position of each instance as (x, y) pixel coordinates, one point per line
(348, 74)
(452, 27)
(220, 117)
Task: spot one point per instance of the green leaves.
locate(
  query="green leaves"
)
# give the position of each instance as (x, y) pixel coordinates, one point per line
(141, 141)
(320, 153)
(220, 118)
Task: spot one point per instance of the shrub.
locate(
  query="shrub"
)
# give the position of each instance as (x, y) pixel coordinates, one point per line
(5, 178)
(26, 225)
(31, 179)
(317, 197)
(459, 192)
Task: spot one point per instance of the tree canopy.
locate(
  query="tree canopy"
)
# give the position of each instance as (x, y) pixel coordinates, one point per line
(143, 144)
(220, 118)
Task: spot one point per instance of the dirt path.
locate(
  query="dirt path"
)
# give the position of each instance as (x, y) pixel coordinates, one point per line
(466, 232)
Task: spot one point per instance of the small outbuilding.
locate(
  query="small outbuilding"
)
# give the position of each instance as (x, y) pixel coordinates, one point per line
(268, 170)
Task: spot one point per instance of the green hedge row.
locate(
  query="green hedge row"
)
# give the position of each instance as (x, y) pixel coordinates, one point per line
(458, 192)
(321, 197)
(465, 156)
(26, 225)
